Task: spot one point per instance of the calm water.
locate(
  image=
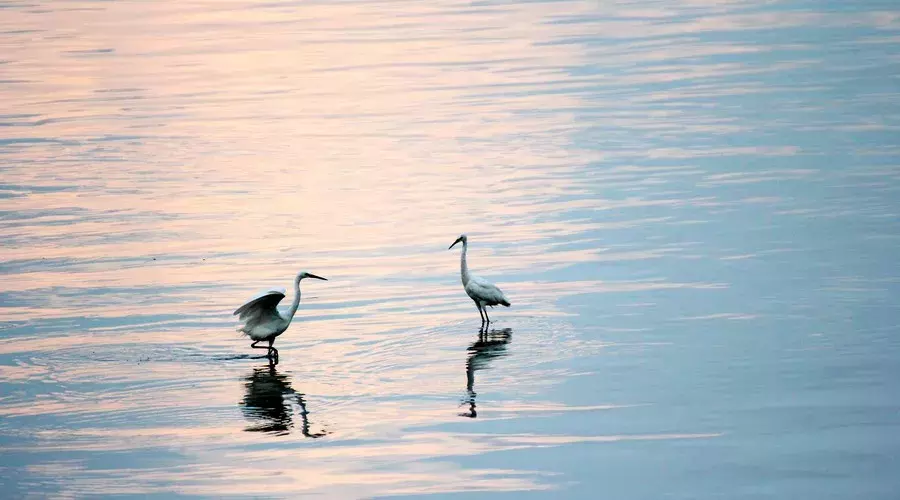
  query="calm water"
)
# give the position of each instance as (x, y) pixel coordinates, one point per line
(693, 207)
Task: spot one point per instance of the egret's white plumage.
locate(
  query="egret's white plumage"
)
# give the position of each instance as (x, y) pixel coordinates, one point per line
(261, 319)
(480, 290)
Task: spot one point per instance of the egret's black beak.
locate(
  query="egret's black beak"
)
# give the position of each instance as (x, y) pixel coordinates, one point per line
(316, 277)
(454, 243)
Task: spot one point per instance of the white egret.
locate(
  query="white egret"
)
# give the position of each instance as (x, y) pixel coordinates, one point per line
(261, 318)
(481, 291)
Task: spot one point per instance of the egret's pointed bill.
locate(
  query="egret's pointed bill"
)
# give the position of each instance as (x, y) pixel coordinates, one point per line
(454, 243)
(308, 275)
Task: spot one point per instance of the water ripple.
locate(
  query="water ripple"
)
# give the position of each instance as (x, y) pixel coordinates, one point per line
(691, 204)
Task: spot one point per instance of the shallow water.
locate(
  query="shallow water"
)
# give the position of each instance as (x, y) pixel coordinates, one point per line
(691, 205)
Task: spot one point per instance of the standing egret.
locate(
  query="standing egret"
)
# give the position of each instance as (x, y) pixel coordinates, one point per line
(482, 292)
(261, 318)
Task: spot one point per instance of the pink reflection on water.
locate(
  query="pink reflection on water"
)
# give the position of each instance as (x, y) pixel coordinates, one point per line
(193, 153)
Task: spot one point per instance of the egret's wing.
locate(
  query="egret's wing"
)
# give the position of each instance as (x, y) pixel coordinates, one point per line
(479, 283)
(264, 302)
(486, 291)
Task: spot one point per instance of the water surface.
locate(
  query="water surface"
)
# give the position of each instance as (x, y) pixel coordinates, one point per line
(691, 205)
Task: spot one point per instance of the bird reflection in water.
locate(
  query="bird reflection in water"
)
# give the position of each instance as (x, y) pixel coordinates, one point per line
(490, 345)
(269, 403)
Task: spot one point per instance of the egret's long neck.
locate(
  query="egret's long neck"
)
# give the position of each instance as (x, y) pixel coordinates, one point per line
(296, 303)
(463, 267)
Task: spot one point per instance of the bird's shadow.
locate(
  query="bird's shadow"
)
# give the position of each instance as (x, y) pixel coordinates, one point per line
(491, 344)
(271, 404)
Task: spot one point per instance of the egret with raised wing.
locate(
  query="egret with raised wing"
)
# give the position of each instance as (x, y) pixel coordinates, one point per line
(261, 319)
(481, 291)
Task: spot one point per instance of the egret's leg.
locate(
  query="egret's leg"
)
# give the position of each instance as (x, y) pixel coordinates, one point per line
(486, 316)
(253, 345)
(479, 312)
(272, 351)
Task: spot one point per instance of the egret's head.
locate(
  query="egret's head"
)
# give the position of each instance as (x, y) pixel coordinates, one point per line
(304, 274)
(463, 238)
